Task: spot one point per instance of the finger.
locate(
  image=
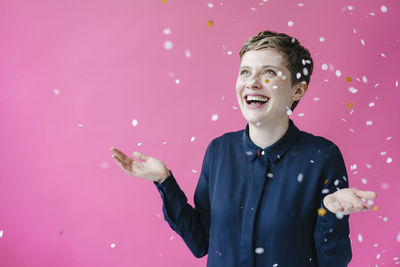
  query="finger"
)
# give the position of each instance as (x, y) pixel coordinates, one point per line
(119, 153)
(140, 156)
(365, 194)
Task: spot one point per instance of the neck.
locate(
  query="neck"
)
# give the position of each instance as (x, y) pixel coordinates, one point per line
(265, 135)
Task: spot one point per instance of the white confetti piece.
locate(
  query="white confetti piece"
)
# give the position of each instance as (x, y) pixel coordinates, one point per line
(188, 54)
(210, 5)
(378, 256)
(301, 114)
(172, 237)
(134, 122)
(353, 167)
(279, 73)
(112, 245)
(275, 87)
(389, 138)
(252, 9)
(368, 123)
(164, 142)
(376, 85)
(371, 104)
(316, 98)
(385, 219)
(370, 202)
(214, 117)
(158, 215)
(300, 4)
(339, 215)
(300, 177)
(290, 23)
(360, 238)
(305, 71)
(270, 175)
(375, 245)
(398, 237)
(80, 125)
(397, 83)
(338, 73)
(104, 165)
(362, 42)
(259, 250)
(350, 8)
(383, 153)
(1, 233)
(369, 166)
(229, 53)
(283, 77)
(194, 171)
(355, 31)
(372, 14)
(56, 91)
(384, 9)
(364, 181)
(168, 45)
(192, 139)
(234, 107)
(139, 144)
(364, 78)
(167, 31)
(322, 39)
(275, 265)
(389, 160)
(177, 81)
(324, 66)
(258, 123)
(383, 55)
(311, 161)
(353, 90)
(336, 183)
(325, 191)
(298, 75)
(288, 111)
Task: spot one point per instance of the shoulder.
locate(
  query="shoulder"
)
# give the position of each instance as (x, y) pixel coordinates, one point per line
(320, 143)
(227, 140)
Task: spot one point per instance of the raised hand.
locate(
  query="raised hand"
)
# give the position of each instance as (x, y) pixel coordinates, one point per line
(348, 200)
(148, 168)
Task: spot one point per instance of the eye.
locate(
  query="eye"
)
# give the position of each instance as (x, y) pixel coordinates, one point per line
(244, 72)
(269, 72)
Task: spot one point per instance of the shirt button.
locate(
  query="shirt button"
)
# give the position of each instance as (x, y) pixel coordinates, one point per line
(262, 153)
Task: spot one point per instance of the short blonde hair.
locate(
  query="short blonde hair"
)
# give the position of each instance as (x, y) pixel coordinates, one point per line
(298, 59)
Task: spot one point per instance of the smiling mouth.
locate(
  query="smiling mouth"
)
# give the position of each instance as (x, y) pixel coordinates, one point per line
(260, 100)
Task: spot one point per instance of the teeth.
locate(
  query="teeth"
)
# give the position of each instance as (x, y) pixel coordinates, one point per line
(256, 98)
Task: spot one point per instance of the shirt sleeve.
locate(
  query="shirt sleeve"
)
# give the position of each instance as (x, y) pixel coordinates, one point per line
(331, 234)
(192, 224)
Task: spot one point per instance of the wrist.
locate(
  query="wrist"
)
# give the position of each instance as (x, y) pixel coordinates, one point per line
(164, 177)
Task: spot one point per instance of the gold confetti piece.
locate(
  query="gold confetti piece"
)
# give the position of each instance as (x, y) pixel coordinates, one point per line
(349, 79)
(375, 208)
(210, 23)
(266, 81)
(350, 105)
(163, 1)
(321, 211)
(326, 181)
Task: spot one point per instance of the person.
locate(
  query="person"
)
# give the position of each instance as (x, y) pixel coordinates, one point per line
(270, 194)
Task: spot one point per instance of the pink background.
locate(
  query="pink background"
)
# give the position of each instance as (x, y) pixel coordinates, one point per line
(75, 74)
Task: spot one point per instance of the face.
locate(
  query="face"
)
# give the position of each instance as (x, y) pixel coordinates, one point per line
(264, 87)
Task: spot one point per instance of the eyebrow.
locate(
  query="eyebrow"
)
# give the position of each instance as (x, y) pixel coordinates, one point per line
(264, 66)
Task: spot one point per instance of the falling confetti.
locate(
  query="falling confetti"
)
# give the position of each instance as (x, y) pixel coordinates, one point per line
(270, 175)
(316, 98)
(321, 212)
(168, 45)
(397, 83)
(172, 237)
(349, 79)
(167, 31)
(163, 1)
(80, 125)
(383, 55)
(192, 139)
(338, 73)
(112, 245)
(326, 181)
(139, 144)
(360, 238)
(375, 208)
(188, 54)
(305, 71)
(398, 237)
(275, 87)
(194, 171)
(283, 77)
(324, 66)
(177, 81)
(214, 117)
(350, 105)
(290, 23)
(1, 233)
(229, 53)
(322, 39)
(288, 111)
(368, 123)
(384, 9)
(389, 160)
(339, 215)
(301, 114)
(300, 177)
(371, 104)
(210, 5)
(56, 91)
(362, 42)
(210, 23)
(298, 75)
(266, 81)
(134, 123)
(353, 90)
(259, 250)
(364, 181)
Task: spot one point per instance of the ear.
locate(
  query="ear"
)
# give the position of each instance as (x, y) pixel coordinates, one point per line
(299, 90)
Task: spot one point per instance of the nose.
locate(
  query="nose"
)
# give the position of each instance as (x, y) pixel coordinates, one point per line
(253, 83)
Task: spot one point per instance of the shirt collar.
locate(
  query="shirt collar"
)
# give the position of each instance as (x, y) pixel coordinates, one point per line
(274, 151)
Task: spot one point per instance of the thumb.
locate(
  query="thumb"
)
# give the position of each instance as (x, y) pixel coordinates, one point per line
(365, 194)
(140, 156)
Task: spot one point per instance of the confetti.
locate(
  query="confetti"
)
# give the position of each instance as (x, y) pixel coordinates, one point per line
(305, 71)
(364, 181)
(298, 75)
(383, 153)
(139, 144)
(167, 31)
(375, 208)
(134, 122)
(187, 53)
(338, 73)
(112, 245)
(164, 142)
(283, 77)
(177, 81)
(360, 238)
(210, 5)
(325, 191)
(362, 42)
(194, 171)
(324, 66)
(383, 55)
(80, 125)
(326, 181)
(252, 9)
(322, 39)
(389, 138)
(229, 53)
(316, 98)
(266, 81)
(389, 160)
(259, 250)
(192, 139)
(172, 237)
(321, 212)
(168, 45)
(385, 219)
(275, 265)
(300, 4)
(288, 111)
(279, 73)
(56, 91)
(301, 114)
(368, 123)
(349, 79)
(290, 23)
(398, 237)
(397, 83)
(214, 117)
(275, 87)
(384, 9)
(300, 177)
(371, 104)
(1, 233)
(210, 23)
(350, 105)
(353, 90)
(270, 175)
(339, 215)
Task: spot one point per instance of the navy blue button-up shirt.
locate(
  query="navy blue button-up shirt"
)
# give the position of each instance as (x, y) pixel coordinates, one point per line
(259, 207)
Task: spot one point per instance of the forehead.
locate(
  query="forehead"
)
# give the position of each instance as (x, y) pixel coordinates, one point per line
(266, 56)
